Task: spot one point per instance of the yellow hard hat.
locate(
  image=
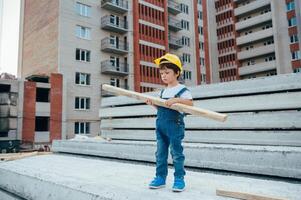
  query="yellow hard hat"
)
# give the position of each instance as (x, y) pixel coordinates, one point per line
(170, 58)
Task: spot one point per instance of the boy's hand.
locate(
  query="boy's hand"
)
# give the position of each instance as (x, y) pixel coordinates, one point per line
(149, 102)
(171, 101)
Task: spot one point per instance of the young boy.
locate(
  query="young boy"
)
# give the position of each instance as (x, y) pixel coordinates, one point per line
(169, 124)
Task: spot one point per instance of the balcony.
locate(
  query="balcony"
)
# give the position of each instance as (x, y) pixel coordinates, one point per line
(260, 67)
(251, 7)
(107, 67)
(253, 21)
(174, 42)
(259, 35)
(105, 93)
(115, 25)
(174, 24)
(259, 51)
(114, 46)
(118, 6)
(173, 7)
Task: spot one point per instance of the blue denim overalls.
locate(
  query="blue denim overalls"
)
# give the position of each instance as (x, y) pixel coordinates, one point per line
(170, 131)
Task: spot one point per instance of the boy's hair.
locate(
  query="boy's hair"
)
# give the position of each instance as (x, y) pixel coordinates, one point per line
(174, 67)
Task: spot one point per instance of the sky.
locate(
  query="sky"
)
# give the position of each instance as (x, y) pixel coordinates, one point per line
(9, 35)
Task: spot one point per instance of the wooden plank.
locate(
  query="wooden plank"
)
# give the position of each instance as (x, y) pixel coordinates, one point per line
(16, 156)
(290, 100)
(161, 102)
(276, 138)
(262, 120)
(284, 82)
(242, 195)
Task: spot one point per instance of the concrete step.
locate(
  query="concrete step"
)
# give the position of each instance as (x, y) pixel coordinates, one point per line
(266, 160)
(58, 176)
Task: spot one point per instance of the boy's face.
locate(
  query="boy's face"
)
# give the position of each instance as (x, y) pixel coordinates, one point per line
(168, 75)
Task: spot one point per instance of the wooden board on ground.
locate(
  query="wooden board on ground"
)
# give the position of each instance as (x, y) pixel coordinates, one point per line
(15, 156)
(244, 196)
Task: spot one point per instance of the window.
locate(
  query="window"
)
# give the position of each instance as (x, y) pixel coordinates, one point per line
(186, 58)
(294, 38)
(114, 20)
(202, 61)
(292, 22)
(82, 78)
(290, 6)
(184, 8)
(200, 2)
(82, 127)
(186, 41)
(83, 32)
(185, 24)
(187, 74)
(82, 103)
(296, 55)
(115, 82)
(82, 55)
(42, 123)
(83, 10)
(200, 15)
(42, 95)
(201, 45)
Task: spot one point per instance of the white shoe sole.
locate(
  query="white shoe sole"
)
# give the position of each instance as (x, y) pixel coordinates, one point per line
(156, 187)
(178, 190)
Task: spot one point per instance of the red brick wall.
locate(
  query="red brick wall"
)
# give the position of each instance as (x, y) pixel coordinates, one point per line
(29, 110)
(56, 81)
(206, 42)
(197, 48)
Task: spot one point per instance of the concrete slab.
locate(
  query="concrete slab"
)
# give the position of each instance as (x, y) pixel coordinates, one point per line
(266, 160)
(56, 176)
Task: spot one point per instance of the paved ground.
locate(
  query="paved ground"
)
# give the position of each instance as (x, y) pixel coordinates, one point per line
(60, 176)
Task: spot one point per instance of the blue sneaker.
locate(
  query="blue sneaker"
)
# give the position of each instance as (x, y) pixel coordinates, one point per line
(179, 185)
(157, 183)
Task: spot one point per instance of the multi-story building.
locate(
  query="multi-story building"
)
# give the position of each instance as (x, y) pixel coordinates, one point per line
(30, 112)
(91, 42)
(253, 38)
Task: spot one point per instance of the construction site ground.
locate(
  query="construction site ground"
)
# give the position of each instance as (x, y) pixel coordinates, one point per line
(67, 176)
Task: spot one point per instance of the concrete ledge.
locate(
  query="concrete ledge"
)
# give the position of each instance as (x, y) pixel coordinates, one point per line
(266, 160)
(54, 177)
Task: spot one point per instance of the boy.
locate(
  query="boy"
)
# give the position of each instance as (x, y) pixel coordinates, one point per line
(169, 124)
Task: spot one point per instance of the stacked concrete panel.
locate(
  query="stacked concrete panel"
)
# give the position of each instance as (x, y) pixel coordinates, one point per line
(261, 135)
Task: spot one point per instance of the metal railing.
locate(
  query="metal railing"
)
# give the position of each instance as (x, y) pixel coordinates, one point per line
(120, 45)
(107, 20)
(119, 3)
(107, 65)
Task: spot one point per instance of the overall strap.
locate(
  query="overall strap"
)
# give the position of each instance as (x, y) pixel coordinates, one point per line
(161, 93)
(181, 92)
